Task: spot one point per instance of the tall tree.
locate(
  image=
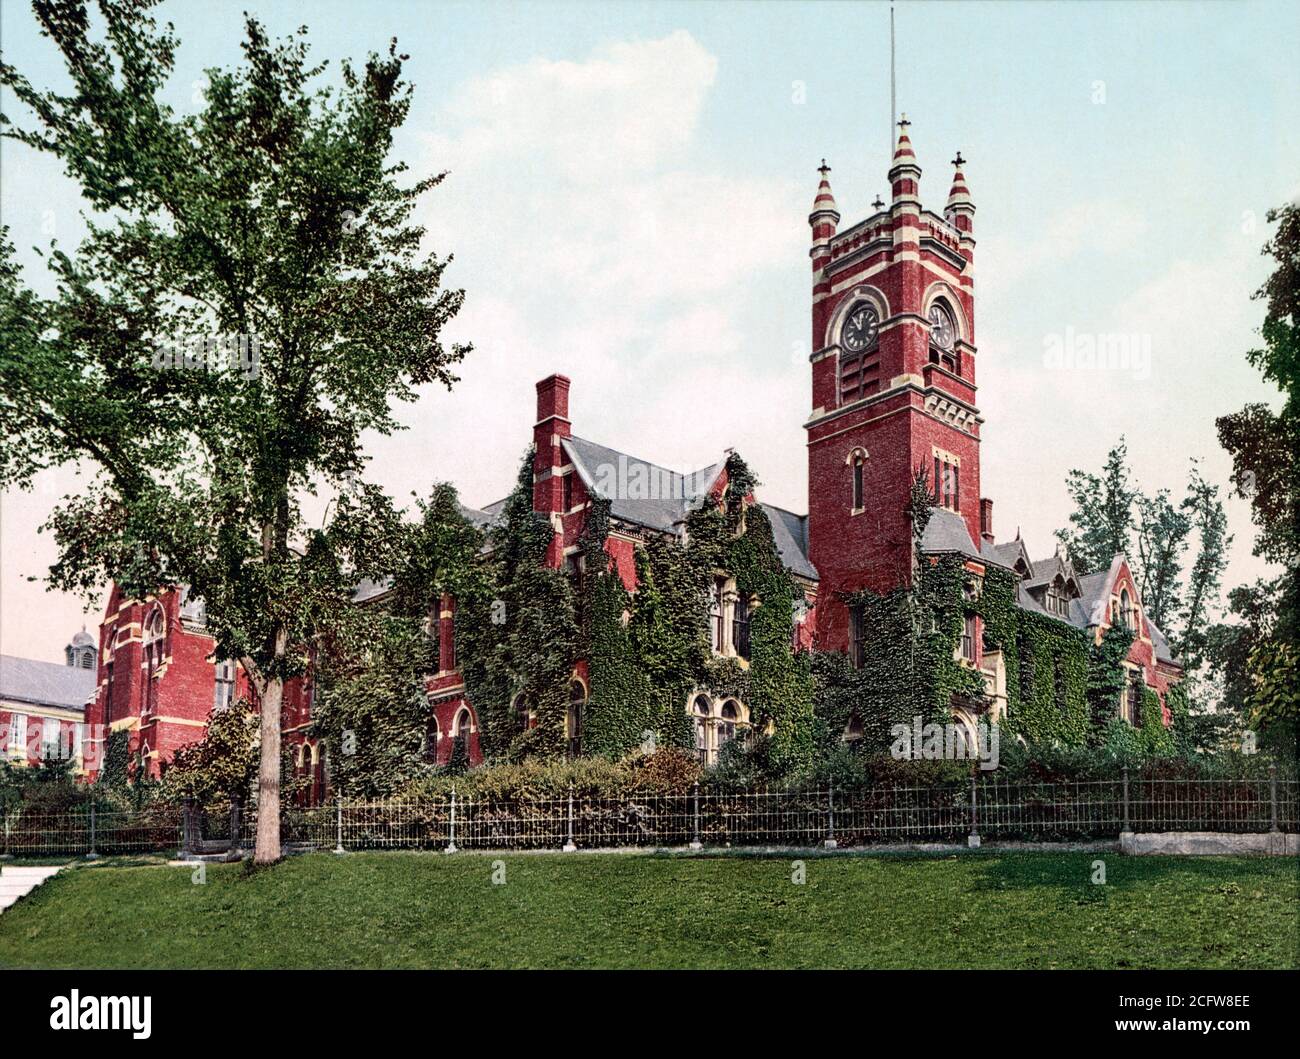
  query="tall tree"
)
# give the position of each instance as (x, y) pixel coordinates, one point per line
(1263, 444)
(1205, 515)
(272, 223)
(1102, 520)
(1162, 531)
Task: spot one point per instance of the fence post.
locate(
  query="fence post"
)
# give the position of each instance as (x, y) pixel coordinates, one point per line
(236, 825)
(570, 846)
(1128, 828)
(451, 846)
(695, 842)
(91, 854)
(1272, 797)
(830, 842)
(973, 839)
(338, 825)
(187, 826)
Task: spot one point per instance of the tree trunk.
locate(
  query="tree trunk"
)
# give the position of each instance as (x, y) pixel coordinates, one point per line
(267, 850)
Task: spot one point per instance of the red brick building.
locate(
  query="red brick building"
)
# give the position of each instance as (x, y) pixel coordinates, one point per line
(893, 389)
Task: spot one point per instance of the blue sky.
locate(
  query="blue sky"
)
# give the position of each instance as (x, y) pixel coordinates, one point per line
(628, 204)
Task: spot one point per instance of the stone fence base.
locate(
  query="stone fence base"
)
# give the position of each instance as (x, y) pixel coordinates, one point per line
(1273, 843)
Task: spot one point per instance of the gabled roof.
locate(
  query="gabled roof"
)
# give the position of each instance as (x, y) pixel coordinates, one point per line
(1008, 554)
(27, 680)
(639, 491)
(1045, 571)
(1094, 590)
(646, 494)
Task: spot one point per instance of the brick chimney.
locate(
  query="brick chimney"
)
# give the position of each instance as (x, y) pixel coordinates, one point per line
(552, 425)
(986, 520)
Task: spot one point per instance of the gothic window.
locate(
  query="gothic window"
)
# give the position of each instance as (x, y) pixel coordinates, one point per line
(702, 710)
(859, 468)
(859, 346)
(1124, 609)
(740, 626)
(154, 641)
(224, 692)
(853, 730)
(857, 637)
(728, 723)
(461, 730)
(573, 719)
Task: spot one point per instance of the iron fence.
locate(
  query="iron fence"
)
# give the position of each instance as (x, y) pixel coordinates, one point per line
(700, 817)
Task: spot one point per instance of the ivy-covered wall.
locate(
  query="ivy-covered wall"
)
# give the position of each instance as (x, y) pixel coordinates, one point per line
(1060, 687)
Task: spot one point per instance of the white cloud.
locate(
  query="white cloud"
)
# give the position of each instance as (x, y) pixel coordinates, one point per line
(592, 241)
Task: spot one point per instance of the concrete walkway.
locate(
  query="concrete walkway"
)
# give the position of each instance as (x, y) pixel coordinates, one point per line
(19, 882)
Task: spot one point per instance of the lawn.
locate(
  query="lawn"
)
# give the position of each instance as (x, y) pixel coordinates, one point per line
(984, 910)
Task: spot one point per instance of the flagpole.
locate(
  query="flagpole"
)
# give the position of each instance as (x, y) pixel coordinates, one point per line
(893, 101)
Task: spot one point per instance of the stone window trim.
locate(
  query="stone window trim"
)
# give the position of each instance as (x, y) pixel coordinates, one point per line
(947, 479)
(717, 720)
(729, 618)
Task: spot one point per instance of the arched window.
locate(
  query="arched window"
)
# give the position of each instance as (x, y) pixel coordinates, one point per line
(573, 719)
(728, 722)
(853, 730)
(155, 638)
(1126, 610)
(702, 709)
(523, 710)
(859, 348)
(461, 729)
(858, 464)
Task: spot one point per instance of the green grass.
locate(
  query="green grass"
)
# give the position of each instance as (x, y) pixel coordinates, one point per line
(993, 909)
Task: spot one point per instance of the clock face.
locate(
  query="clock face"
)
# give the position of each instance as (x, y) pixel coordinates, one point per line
(860, 329)
(942, 331)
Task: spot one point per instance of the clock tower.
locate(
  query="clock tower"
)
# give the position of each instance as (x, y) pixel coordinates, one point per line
(893, 382)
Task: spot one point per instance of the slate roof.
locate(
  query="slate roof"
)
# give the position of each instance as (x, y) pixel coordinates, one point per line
(790, 533)
(1008, 553)
(27, 680)
(946, 532)
(642, 492)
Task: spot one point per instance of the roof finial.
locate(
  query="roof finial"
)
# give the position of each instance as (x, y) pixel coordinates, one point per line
(823, 169)
(879, 203)
(903, 123)
(959, 161)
